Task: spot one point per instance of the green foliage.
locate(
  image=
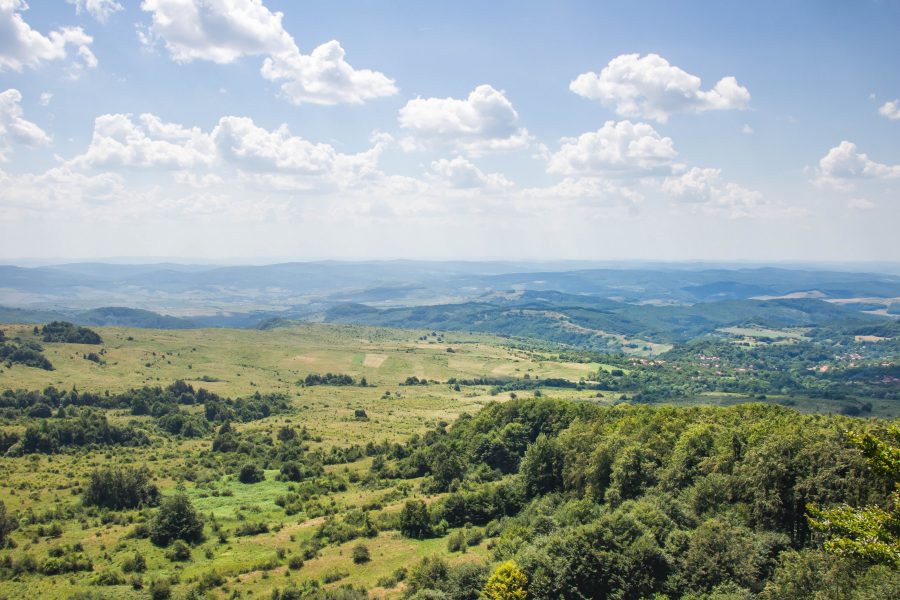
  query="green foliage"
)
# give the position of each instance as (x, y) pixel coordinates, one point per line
(542, 467)
(8, 524)
(871, 532)
(251, 473)
(29, 354)
(431, 573)
(456, 542)
(120, 488)
(179, 552)
(65, 332)
(176, 519)
(415, 521)
(328, 379)
(160, 589)
(360, 554)
(89, 428)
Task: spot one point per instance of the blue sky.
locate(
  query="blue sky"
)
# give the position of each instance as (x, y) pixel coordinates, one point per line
(598, 130)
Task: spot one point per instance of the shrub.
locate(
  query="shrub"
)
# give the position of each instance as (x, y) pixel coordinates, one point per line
(108, 577)
(474, 536)
(250, 473)
(333, 575)
(160, 590)
(414, 519)
(179, 552)
(251, 528)
(135, 563)
(456, 542)
(361, 554)
(8, 524)
(62, 331)
(120, 489)
(507, 582)
(176, 519)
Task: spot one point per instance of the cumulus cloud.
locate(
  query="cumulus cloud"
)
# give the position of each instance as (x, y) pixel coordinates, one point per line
(619, 147)
(844, 163)
(890, 110)
(119, 141)
(14, 128)
(705, 190)
(484, 121)
(223, 31)
(459, 173)
(236, 149)
(324, 77)
(101, 10)
(238, 140)
(23, 47)
(651, 88)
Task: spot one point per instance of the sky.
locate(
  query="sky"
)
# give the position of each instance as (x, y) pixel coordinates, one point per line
(284, 130)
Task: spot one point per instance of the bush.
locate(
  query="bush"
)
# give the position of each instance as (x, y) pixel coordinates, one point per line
(8, 524)
(176, 519)
(456, 542)
(108, 577)
(250, 473)
(251, 528)
(179, 552)
(361, 554)
(333, 575)
(119, 489)
(160, 590)
(134, 564)
(414, 519)
(62, 331)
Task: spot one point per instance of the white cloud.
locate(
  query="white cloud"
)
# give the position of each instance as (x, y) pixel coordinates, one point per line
(240, 141)
(890, 110)
(746, 129)
(860, 204)
(236, 150)
(223, 31)
(618, 147)
(324, 77)
(60, 192)
(118, 141)
(844, 163)
(484, 121)
(46, 97)
(14, 128)
(459, 173)
(22, 46)
(705, 190)
(220, 31)
(101, 10)
(651, 88)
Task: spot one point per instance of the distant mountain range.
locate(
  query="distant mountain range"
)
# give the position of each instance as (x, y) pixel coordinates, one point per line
(548, 300)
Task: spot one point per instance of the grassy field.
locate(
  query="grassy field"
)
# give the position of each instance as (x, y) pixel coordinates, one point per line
(45, 490)
(236, 363)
